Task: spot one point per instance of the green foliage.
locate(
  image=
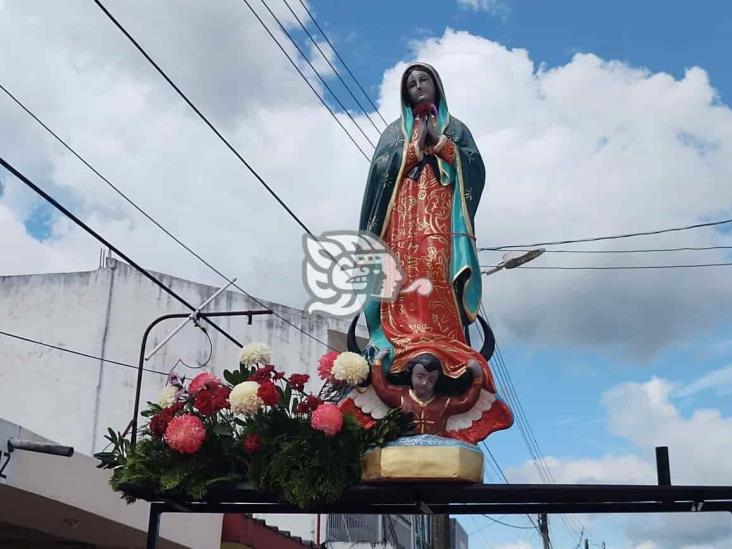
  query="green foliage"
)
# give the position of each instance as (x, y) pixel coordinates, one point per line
(303, 466)
(153, 465)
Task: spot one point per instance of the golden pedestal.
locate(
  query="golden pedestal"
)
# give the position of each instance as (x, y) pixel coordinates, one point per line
(449, 463)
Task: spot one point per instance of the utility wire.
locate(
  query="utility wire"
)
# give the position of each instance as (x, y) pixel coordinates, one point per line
(522, 422)
(633, 251)
(56, 204)
(206, 121)
(156, 223)
(310, 64)
(343, 62)
(611, 237)
(507, 524)
(629, 267)
(505, 478)
(302, 75)
(333, 68)
(78, 353)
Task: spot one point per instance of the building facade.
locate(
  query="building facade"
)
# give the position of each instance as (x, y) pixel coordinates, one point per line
(73, 399)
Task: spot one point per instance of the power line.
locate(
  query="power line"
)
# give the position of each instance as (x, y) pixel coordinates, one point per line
(633, 251)
(155, 222)
(302, 75)
(78, 353)
(343, 62)
(203, 118)
(505, 478)
(333, 68)
(490, 518)
(109, 245)
(629, 267)
(310, 64)
(522, 422)
(611, 237)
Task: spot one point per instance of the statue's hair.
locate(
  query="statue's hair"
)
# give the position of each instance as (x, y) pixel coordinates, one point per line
(445, 385)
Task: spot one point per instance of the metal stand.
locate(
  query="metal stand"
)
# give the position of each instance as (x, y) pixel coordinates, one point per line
(441, 498)
(141, 362)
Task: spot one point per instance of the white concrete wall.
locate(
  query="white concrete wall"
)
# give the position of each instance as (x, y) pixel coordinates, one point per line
(72, 400)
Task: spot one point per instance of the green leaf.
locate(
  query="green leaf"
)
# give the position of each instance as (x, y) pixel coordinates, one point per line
(223, 429)
(286, 396)
(295, 402)
(229, 376)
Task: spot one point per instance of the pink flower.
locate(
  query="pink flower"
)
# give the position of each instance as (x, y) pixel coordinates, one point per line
(201, 381)
(185, 434)
(252, 443)
(327, 418)
(325, 365)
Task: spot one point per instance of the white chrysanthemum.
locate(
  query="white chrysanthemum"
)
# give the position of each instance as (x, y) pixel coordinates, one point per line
(243, 398)
(255, 353)
(167, 396)
(351, 368)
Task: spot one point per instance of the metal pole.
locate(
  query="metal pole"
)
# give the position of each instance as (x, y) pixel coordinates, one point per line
(141, 361)
(663, 467)
(153, 526)
(544, 530)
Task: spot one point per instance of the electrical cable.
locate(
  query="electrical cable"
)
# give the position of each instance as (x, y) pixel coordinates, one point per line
(522, 422)
(310, 64)
(626, 267)
(633, 251)
(333, 68)
(302, 75)
(507, 524)
(204, 118)
(109, 245)
(322, 80)
(343, 62)
(155, 222)
(611, 237)
(78, 353)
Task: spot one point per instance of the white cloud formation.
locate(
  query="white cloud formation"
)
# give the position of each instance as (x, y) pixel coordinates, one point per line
(643, 414)
(515, 545)
(719, 380)
(494, 7)
(586, 148)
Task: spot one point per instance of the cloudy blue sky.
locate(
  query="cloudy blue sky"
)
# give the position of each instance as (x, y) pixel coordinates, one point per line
(593, 118)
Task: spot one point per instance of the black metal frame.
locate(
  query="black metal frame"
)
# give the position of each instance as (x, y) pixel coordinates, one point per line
(458, 499)
(141, 361)
(441, 498)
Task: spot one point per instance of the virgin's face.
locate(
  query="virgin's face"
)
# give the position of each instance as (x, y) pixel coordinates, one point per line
(420, 88)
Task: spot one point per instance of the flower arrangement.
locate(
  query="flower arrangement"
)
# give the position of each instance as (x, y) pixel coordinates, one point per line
(256, 425)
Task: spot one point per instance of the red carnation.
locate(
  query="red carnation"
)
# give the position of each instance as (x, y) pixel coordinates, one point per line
(252, 443)
(212, 399)
(309, 404)
(262, 374)
(201, 381)
(325, 365)
(159, 422)
(268, 393)
(298, 381)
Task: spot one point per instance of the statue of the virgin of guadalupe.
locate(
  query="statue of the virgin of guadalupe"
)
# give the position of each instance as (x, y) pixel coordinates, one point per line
(423, 188)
